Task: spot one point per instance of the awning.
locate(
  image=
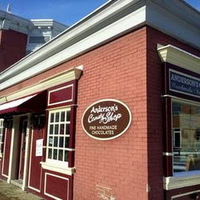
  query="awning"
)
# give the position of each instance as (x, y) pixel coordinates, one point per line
(33, 103)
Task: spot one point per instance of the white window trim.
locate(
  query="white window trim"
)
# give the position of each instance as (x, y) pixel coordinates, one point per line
(57, 165)
(58, 168)
(179, 57)
(180, 182)
(56, 79)
(175, 182)
(1, 134)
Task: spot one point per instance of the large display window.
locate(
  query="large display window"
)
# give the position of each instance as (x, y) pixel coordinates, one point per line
(186, 138)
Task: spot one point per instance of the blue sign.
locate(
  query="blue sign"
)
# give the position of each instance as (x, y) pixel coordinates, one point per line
(184, 84)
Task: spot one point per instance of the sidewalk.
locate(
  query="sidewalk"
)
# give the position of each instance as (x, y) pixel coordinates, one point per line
(12, 192)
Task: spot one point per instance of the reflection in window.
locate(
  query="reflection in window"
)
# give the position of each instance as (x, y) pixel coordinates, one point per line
(58, 135)
(186, 137)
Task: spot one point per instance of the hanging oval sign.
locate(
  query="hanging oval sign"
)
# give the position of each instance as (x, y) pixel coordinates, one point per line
(106, 119)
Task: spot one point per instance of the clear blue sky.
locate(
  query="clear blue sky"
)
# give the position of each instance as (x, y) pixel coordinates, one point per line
(64, 11)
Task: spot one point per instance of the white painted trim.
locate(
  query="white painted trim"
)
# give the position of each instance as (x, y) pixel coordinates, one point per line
(113, 30)
(170, 183)
(184, 194)
(54, 168)
(11, 149)
(179, 57)
(1, 136)
(4, 149)
(5, 176)
(177, 49)
(25, 178)
(53, 162)
(174, 182)
(51, 91)
(30, 165)
(61, 39)
(30, 160)
(45, 184)
(56, 79)
(35, 189)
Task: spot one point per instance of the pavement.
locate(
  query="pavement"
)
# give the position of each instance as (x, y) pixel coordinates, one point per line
(12, 192)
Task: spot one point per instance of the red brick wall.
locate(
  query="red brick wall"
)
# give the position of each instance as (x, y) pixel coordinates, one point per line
(121, 70)
(12, 47)
(116, 70)
(155, 115)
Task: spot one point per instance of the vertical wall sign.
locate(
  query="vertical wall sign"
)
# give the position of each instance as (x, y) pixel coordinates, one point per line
(39, 146)
(106, 119)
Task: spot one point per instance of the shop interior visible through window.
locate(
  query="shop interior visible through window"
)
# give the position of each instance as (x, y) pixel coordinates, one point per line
(186, 138)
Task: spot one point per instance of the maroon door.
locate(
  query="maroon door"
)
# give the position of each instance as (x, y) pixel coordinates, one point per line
(7, 143)
(23, 129)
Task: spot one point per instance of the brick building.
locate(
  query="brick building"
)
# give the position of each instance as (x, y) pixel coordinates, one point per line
(20, 36)
(109, 109)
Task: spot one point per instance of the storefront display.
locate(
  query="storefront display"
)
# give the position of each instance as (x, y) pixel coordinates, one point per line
(186, 141)
(109, 109)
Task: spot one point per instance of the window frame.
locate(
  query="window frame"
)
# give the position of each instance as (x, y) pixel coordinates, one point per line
(185, 173)
(39, 39)
(51, 161)
(170, 181)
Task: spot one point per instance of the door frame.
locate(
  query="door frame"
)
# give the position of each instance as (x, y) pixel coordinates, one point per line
(13, 151)
(22, 148)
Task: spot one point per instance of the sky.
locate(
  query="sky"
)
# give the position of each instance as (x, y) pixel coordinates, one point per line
(65, 11)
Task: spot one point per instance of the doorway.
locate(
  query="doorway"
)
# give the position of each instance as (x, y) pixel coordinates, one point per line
(22, 147)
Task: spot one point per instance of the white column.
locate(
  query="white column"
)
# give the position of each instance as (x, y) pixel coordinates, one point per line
(12, 149)
(26, 160)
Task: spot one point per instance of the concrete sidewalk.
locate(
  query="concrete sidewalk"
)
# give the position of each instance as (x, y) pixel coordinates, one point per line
(12, 192)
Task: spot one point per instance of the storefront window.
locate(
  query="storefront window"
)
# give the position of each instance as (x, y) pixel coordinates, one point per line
(186, 138)
(1, 137)
(58, 135)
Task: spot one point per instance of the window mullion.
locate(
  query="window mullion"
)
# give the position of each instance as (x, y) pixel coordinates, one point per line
(58, 132)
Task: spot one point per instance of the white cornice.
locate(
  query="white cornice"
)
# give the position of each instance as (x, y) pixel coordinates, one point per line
(19, 24)
(179, 57)
(110, 21)
(48, 23)
(10, 21)
(72, 35)
(176, 19)
(48, 57)
(56, 79)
